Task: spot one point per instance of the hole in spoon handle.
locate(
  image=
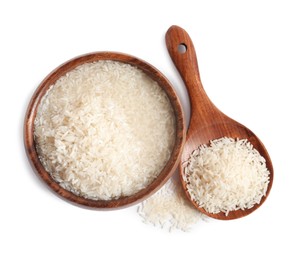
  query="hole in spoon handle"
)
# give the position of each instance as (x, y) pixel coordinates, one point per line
(182, 48)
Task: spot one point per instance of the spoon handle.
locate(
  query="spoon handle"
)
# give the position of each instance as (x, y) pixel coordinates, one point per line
(182, 53)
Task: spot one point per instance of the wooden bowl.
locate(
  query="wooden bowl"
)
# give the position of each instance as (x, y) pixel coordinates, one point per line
(166, 172)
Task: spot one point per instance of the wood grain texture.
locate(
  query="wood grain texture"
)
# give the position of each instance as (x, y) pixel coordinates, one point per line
(207, 122)
(30, 144)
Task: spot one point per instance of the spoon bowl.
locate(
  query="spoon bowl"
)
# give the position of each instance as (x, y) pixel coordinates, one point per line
(207, 122)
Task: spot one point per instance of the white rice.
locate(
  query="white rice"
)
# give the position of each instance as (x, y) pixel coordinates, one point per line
(105, 130)
(227, 175)
(169, 208)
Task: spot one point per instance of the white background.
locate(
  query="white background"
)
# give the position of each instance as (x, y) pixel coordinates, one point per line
(248, 54)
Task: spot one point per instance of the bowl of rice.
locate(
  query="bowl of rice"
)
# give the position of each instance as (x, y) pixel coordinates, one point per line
(104, 130)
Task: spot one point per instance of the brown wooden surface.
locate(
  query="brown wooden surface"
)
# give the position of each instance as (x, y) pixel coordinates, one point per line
(207, 122)
(30, 145)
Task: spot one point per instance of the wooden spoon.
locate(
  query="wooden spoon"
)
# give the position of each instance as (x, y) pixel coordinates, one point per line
(207, 122)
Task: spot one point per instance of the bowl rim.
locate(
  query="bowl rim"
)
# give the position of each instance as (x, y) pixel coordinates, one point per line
(51, 78)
